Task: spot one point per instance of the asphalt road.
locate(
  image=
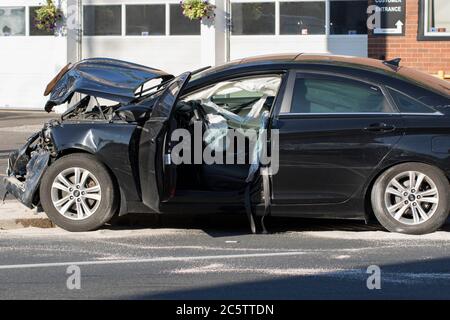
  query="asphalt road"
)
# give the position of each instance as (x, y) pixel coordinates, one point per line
(213, 257)
(225, 262)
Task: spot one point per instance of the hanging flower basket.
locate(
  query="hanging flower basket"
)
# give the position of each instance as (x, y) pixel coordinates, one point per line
(48, 17)
(198, 9)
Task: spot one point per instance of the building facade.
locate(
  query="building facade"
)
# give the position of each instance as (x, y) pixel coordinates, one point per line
(426, 42)
(156, 33)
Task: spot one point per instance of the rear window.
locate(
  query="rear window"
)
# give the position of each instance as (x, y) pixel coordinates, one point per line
(407, 104)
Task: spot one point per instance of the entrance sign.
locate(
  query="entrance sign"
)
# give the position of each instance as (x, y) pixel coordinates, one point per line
(392, 17)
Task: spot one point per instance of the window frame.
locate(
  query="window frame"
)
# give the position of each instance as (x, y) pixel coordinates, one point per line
(286, 106)
(423, 34)
(122, 19)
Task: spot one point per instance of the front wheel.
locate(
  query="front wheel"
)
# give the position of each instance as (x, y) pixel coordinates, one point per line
(77, 193)
(411, 198)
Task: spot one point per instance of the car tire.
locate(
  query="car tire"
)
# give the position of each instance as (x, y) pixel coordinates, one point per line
(77, 193)
(416, 208)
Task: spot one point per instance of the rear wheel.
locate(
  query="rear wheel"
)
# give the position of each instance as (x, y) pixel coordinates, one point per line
(411, 198)
(77, 193)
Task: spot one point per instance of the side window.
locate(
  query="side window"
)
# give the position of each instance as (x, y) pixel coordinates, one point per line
(241, 99)
(407, 104)
(337, 95)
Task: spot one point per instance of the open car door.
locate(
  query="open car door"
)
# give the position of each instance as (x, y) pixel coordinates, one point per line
(156, 171)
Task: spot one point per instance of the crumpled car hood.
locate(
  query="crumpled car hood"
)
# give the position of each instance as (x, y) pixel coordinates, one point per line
(111, 79)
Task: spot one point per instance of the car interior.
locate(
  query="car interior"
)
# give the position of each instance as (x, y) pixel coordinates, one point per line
(241, 104)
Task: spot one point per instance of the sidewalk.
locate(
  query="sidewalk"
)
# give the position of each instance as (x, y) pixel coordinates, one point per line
(14, 215)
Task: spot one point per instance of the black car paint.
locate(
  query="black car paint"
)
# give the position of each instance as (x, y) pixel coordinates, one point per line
(157, 179)
(113, 143)
(116, 143)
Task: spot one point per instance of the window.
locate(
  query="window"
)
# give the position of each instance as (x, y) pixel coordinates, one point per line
(254, 18)
(407, 104)
(435, 19)
(337, 95)
(348, 17)
(102, 20)
(33, 30)
(180, 25)
(12, 21)
(302, 17)
(241, 102)
(144, 20)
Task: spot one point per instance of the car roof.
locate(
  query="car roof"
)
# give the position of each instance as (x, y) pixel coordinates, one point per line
(298, 59)
(290, 58)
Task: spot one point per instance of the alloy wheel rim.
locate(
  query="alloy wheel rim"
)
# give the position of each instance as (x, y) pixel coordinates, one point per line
(411, 197)
(76, 193)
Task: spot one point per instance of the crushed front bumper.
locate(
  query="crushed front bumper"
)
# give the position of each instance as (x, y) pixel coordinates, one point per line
(25, 170)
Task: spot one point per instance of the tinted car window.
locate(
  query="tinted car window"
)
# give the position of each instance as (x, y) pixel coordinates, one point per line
(407, 104)
(337, 95)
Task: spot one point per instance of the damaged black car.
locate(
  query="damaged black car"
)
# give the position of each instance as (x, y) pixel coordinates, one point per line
(340, 137)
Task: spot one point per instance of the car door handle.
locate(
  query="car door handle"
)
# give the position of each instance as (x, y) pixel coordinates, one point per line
(380, 127)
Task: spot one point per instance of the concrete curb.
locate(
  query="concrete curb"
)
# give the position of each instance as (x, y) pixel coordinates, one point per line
(14, 215)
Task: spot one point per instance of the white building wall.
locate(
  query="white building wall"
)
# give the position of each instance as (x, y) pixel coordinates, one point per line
(27, 64)
(244, 46)
(174, 54)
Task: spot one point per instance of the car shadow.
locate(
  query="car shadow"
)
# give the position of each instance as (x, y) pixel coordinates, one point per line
(223, 225)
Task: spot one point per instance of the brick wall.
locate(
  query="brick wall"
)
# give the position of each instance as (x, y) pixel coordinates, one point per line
(428, 56)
